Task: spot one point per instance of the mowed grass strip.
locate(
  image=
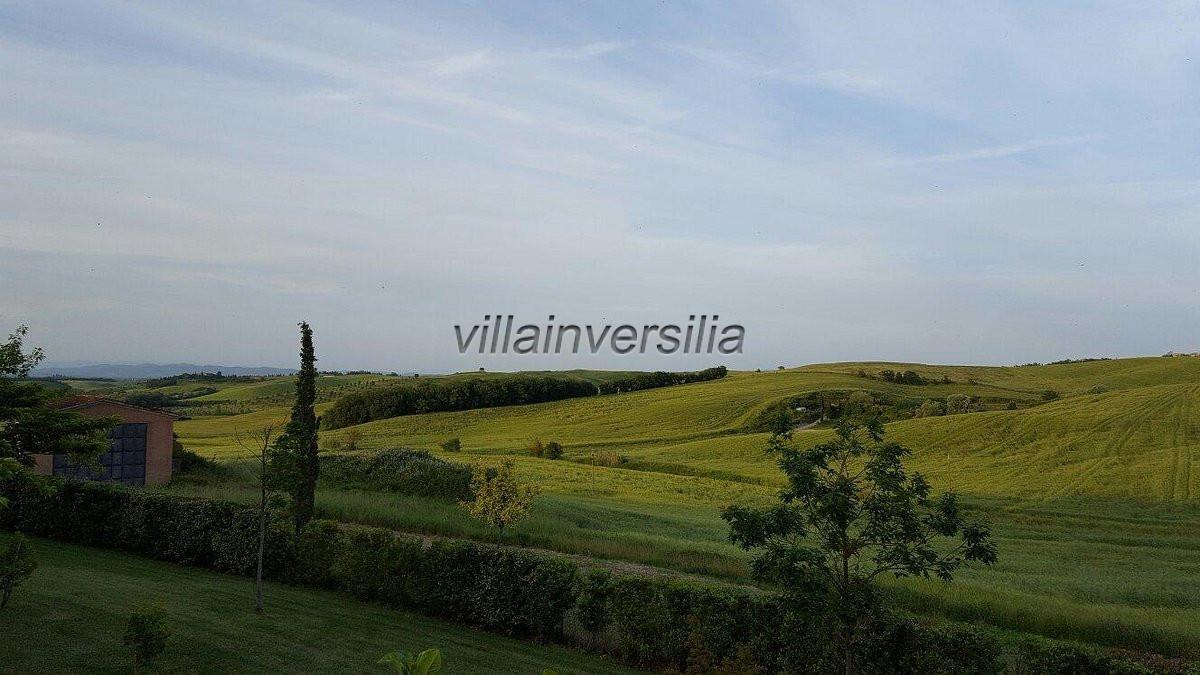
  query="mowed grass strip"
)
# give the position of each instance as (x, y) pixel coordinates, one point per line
(70, 617)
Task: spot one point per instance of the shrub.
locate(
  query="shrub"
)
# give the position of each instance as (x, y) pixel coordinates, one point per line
(411, 472)
(535, 447)
(1037, 655)
(1098, 389)
(1049, 395)
(905, 377)
(191, 463)
(146, 634)
(930, 408)
(17, 563)
(957, 404)
(203, 532)
(452, 445)
(553, 450)
(498, 499)
(654, 623)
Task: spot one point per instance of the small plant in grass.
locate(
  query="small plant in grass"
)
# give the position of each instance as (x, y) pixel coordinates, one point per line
(553, 450)
(17, 563)
(452, 444)
(499, 500)
(424, 663)
(536, 447)
(146, 634)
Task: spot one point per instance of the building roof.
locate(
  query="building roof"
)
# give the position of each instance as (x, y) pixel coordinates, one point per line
(79, 401)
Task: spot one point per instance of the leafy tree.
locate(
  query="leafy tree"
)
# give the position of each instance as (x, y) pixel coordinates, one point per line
(150, 399)
(930, 408)
(27, 426)
(957, 404)
(294, 462)
(499, 499)
(16, 564)
(858, 403)
(427, 662)
(452, 445)
(850, 513)
(146, 634)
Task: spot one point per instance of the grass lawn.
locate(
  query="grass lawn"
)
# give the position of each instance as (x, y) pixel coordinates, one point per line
(70, 617)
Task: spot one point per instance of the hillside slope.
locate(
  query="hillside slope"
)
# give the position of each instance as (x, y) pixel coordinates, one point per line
(1140, 440)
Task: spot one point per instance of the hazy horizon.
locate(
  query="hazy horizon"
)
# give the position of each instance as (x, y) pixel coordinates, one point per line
(979, 184)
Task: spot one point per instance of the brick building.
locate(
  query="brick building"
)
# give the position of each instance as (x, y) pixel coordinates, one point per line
(141, 445)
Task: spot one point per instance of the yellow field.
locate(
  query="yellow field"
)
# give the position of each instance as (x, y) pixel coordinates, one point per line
(1138, 441)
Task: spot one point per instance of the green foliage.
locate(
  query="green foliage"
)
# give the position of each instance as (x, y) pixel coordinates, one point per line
(17, 563)
(191, 463)
(440, 395)
(294, 463)
(427, 662)
(1045, 656)
(930, 408)
(412, 472)
(202, 532)
(639, 381)
(903, 377)
(305, 631)
(451, 445)
(146, 635)
(27, 426)
(150, 399)
(849, 514)
(553, 450)
(505, 590)
(498, 499)
(653, 623)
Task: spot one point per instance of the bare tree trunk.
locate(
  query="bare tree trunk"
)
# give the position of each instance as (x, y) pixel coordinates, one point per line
(262, 528)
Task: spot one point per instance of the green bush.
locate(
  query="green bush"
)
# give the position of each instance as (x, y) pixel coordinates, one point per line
(661, 624)
(1037, 655)
(410, 472)
(202, 532)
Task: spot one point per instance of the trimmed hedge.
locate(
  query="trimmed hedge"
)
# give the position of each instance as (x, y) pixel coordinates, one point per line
(645, 622)
(410, 472)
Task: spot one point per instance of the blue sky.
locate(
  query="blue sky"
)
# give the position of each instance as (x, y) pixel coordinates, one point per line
(957, 182)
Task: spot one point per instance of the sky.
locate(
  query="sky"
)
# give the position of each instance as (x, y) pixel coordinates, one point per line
(982, 182)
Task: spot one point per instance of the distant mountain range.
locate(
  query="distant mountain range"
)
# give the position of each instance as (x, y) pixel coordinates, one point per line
(141, 371)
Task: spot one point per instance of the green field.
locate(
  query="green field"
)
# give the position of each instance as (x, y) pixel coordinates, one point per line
(1094, 496)
(70, 617)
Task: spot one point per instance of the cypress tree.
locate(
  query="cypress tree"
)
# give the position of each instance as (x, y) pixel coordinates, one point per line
(296, 466)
